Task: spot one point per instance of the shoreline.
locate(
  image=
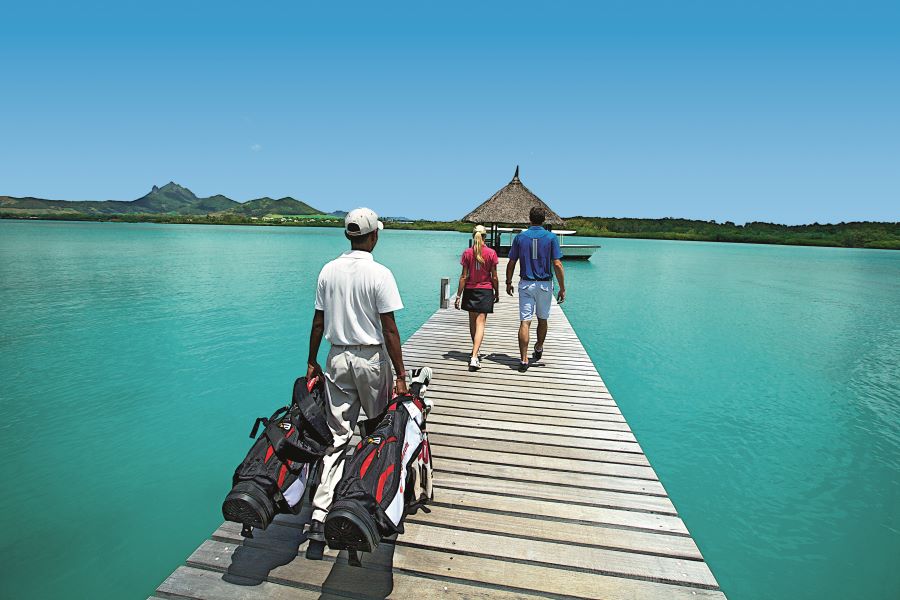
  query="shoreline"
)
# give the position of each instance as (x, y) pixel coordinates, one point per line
(583, 225)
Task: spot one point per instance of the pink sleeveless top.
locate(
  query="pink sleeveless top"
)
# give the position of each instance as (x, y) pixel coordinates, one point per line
(479, 274)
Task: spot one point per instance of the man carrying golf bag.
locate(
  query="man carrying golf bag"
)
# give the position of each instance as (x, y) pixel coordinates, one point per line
(355, 302)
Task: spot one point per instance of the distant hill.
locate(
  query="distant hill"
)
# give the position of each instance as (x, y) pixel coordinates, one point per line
(40, 206)
(283, 206)
(217, 203)
(170, 199)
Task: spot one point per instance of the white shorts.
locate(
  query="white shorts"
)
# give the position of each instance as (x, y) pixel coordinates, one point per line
(535, 297)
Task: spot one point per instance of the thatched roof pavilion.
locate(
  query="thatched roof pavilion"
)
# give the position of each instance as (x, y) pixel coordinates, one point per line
(510, 206)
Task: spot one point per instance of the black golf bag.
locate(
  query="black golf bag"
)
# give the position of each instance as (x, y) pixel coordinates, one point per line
(282, 461)
(388, 477)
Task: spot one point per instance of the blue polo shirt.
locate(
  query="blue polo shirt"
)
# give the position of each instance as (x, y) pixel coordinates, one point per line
(535, 249)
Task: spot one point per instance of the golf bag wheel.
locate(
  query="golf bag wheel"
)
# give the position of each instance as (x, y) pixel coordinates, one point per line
(348, 528)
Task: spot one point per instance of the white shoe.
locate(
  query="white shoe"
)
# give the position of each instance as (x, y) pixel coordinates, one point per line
(474, 364)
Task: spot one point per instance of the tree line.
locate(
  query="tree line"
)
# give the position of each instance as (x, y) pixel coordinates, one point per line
(859, 234)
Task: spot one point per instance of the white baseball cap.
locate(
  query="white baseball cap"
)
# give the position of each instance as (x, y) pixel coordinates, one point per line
(361, 221)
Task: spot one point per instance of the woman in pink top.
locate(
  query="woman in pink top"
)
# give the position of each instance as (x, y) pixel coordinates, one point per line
(478, 289)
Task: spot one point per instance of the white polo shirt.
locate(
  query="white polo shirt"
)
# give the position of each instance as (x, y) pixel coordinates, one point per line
(353, 291)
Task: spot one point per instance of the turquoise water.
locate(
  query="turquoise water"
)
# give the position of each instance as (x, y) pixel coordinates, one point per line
(762, 382)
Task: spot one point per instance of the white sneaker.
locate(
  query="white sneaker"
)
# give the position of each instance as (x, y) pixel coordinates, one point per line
(474, 364)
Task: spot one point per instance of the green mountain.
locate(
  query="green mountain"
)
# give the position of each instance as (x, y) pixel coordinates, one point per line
(171, 199)
(39, 206)
(283, 206)
(217, 203)
(168, 198)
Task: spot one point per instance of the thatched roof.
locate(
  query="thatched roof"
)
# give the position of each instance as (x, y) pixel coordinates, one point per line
(510, 206)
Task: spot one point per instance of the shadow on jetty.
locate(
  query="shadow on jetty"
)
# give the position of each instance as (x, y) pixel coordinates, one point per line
(501, 359)
(278, 555)
(511, 361)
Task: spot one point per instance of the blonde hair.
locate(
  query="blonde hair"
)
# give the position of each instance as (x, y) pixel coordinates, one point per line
(478, 245)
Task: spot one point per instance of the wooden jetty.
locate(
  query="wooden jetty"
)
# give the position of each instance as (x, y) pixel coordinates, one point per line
(541, 490)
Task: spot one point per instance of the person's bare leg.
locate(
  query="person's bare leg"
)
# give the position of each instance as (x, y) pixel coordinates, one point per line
(524, 336)
(480, 322)
(541, 335)
(472, 317)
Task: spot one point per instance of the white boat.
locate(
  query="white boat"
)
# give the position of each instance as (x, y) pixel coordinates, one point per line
(570, 251)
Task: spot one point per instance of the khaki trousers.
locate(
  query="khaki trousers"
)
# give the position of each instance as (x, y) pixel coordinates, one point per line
(355, 377)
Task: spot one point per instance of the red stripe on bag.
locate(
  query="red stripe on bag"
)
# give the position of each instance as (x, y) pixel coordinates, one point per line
(381, 481)
(281, 475)
(269, 453)
(366, 463)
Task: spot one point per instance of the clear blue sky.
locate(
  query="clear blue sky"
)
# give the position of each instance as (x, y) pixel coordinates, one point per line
(778, 111)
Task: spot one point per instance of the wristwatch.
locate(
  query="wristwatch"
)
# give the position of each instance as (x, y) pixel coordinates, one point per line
(401, 375)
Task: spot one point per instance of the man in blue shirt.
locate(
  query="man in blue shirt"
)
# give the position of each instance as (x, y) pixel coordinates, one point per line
(538, 252)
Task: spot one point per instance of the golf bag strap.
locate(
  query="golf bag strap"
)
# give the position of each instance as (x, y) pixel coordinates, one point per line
(368, 427)
(280, 501)
(284, 448)
(353, 558)
(265, 422)
(260, 421)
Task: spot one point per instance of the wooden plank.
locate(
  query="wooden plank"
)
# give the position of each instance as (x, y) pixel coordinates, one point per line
(598, 560)
(545, 491)
(579, 534)
(506, 355)
(532, 578)
(547, 463)
(448, 323)
(469, 388)
(517, 447)
(334, 576)
(528, 381)
(535, 438)
(466, 387)
(538, 375)
(515, 403)
(622, 436)
(454, 348)
(500, 367)
(439, 339)
(190, 582)
(577, 480)
(488, 412)
(562, 510)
